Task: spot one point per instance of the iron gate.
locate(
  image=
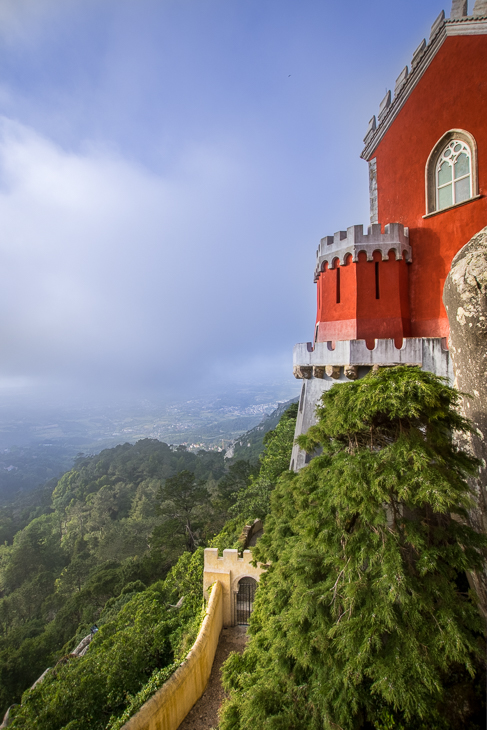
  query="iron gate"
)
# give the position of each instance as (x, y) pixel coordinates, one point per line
(244, 601)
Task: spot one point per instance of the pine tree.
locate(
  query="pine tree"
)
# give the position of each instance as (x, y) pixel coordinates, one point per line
(362, 619)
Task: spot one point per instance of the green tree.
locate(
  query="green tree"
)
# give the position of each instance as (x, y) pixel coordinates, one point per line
(237, 478)
(179, 502)
(140, 634)
(362, 619)
(36, 548)
(254, 500)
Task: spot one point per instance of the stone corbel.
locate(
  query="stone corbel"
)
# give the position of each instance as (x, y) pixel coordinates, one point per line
(333, 371)
(351, 372)
(318, 371)
(303, 371)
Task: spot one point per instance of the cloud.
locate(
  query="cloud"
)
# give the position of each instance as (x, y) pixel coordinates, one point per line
(114, 275)
(164, 182)
(21, 19)
(85, 241)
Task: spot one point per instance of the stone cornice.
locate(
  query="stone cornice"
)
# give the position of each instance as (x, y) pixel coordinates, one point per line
(422, 57)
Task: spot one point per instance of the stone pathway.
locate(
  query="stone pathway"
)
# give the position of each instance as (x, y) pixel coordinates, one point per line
(204, 715)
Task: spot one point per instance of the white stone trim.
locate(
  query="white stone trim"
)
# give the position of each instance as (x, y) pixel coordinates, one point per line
(465, 137)
(429, 353)
(354, 240)
(374, 213)
(414, 351)
(462, 27)
(457, 205)
(423, 56)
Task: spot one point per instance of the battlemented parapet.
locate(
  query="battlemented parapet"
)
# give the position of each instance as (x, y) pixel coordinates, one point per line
(458, 24)
(336, 248)
(327, 363)
(228, 569)
(312, 361)
(363, 284)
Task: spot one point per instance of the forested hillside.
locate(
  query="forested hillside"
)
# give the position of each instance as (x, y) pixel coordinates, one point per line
(249, 446)
(102, 550)
(93, 539)
(363, 619)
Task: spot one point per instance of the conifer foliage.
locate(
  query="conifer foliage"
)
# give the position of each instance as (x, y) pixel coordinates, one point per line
(363, 618)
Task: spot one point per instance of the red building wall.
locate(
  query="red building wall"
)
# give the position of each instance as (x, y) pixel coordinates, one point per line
(338, 320)
(374, 300)
(452, 94)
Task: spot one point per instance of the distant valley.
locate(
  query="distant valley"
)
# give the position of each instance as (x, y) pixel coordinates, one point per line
(39, 442)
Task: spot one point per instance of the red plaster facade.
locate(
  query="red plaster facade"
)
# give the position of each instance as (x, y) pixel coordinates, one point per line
(394, 298)
(364, 300)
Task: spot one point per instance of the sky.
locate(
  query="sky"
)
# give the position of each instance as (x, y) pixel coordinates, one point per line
(167, 169)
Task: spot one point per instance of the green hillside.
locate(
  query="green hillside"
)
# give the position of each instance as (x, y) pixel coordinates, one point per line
(108, 546)
(363, 619)
(250, 445)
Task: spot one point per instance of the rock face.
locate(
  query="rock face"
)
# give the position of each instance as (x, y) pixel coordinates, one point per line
(465, 299)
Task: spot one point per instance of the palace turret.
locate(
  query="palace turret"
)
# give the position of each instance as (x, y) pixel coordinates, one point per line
(379, 294)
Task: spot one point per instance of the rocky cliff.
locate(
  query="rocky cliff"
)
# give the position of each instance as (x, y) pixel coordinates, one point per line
(465, 299)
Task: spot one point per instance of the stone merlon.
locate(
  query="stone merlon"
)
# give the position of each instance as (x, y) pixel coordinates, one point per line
(354, 240)
(459, 23)
(429, 353)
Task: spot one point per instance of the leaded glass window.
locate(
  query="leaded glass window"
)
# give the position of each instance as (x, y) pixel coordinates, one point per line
(453, 175)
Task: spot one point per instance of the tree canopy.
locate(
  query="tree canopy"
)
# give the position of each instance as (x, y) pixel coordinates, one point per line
(96, 536)
(364, 618)
(181, 501)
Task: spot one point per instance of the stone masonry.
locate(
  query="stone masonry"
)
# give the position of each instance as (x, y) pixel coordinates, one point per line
(326, 363)
(465, 299)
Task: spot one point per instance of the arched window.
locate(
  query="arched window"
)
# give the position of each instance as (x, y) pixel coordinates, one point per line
(451, 171)
(454, 175)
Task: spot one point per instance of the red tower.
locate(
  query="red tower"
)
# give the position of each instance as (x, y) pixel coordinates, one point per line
(379, 295)
(363, 285)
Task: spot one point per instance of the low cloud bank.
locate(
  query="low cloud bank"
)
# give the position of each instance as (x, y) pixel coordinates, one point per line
(115, 276)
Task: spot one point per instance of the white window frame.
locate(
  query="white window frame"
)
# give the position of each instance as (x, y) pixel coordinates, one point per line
(432, 167)
(449, 156)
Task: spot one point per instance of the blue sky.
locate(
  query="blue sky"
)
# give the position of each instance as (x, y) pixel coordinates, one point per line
(167, 169)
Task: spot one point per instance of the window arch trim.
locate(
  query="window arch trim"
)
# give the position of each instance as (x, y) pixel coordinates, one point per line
(431, 165)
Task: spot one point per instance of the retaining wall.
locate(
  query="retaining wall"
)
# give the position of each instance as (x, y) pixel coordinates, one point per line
(171, 703)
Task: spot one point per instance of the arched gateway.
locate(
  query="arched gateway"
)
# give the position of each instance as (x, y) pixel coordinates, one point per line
(239, 579)
(244, 600)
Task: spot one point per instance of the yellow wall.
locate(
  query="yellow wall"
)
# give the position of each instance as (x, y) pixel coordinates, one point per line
(228, 570)
(169, 706)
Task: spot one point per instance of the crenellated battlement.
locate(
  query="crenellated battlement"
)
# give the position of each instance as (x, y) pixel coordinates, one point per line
(459, 23)
(321, 365)
(230, 560)
(228, 569)
(352, 241)
(310, 360)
